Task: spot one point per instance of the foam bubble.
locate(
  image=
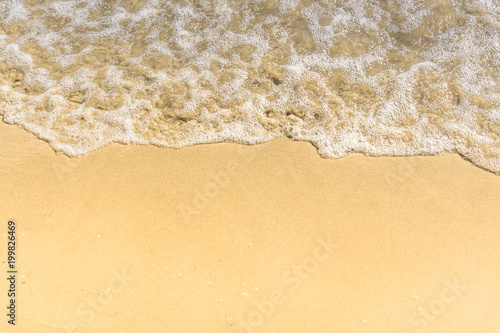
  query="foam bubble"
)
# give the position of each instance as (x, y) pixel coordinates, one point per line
(409, 78)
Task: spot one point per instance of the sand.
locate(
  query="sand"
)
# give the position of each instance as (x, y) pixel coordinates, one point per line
(266, 238)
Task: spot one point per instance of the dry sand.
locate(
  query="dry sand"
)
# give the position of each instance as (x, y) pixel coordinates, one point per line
(222, 237)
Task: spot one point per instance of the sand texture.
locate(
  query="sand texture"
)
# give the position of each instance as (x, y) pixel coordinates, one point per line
(265, 238)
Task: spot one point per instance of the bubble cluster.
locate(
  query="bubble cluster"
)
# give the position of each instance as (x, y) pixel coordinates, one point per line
(389, 77)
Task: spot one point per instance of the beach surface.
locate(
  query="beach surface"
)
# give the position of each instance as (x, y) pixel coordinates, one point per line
(232, 238)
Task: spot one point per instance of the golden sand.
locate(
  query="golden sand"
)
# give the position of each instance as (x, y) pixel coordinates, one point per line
(267, 238)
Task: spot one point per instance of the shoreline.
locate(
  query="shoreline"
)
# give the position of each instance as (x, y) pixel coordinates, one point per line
(282, 137)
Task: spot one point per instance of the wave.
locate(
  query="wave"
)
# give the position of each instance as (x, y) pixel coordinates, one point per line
(378, 77)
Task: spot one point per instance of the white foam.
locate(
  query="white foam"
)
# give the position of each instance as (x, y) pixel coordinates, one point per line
(445, 100)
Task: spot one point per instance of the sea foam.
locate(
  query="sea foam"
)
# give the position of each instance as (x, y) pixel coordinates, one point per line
(377, 77)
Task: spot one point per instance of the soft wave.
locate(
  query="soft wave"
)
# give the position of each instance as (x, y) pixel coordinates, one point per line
(378, 77)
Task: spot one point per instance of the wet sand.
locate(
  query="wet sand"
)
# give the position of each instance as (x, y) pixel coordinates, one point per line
(267, 238)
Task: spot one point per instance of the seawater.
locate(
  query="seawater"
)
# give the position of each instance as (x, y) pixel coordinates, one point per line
(379, 77)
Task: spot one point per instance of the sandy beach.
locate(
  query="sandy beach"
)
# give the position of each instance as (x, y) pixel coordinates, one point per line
(126, 204)
(230, 238)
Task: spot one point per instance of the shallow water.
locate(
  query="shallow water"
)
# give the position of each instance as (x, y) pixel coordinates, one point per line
(377, 77)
